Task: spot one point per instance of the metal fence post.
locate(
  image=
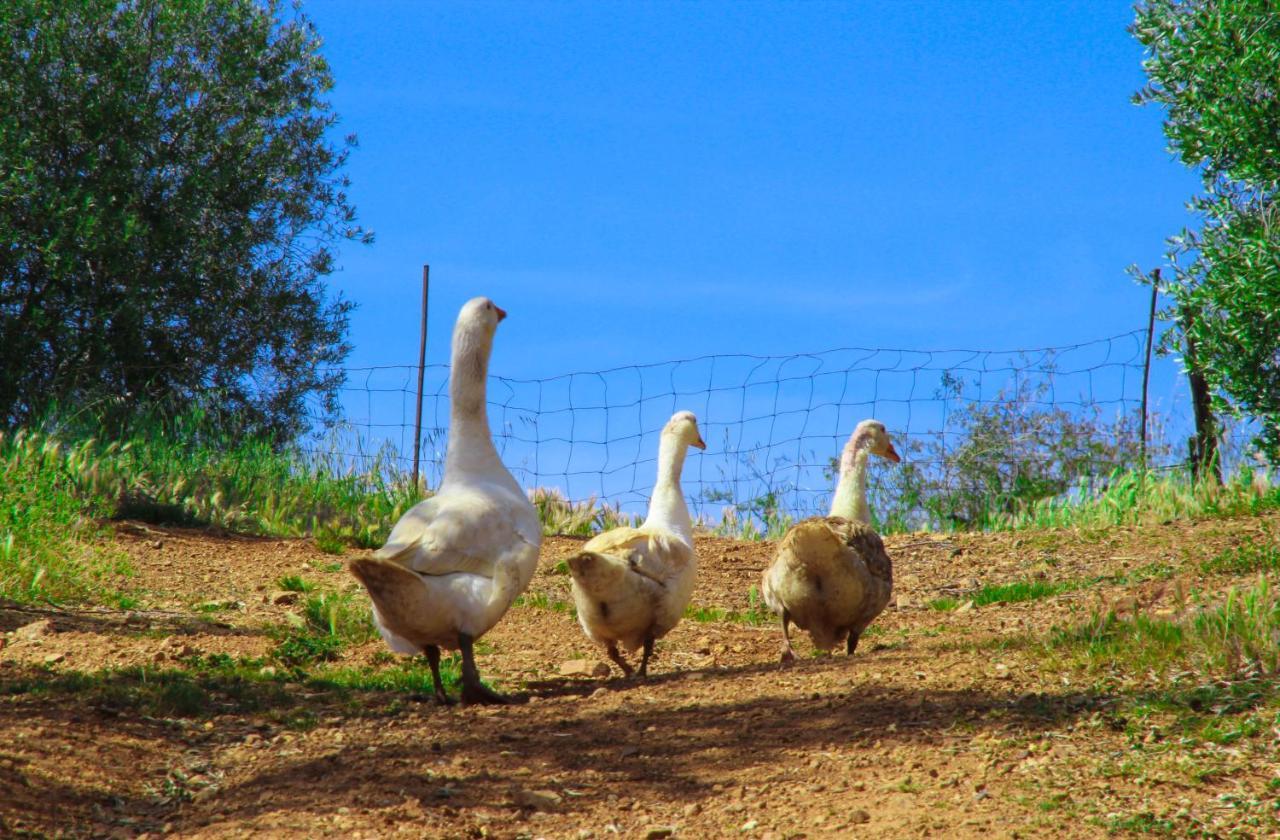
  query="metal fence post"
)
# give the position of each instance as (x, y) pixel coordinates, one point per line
(1146, 364)
(422, 360)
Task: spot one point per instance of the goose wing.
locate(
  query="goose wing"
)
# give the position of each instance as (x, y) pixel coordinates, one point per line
(463, 532)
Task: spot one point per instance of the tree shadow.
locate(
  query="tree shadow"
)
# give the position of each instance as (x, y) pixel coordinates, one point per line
(113, 622)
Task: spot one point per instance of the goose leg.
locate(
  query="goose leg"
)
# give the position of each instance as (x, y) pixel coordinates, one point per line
(627, 670)
(474, 691)
(852, 645)
(788, 652)
(644, 660)
(433, 659)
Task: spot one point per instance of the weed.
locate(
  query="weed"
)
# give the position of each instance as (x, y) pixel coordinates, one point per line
(755, 614)
(294, 583)
(541, 601)
(327, 622)
(1244, 559)
(51, 548)
(581, 519)
(1006, 593)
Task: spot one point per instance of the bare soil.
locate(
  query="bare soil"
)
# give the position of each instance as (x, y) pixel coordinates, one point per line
(946, 724)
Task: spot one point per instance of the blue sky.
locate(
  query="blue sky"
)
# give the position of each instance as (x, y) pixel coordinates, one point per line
(640, 182)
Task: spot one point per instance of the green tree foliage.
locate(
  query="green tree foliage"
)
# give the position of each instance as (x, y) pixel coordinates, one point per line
(170, 202)
(1215, 67)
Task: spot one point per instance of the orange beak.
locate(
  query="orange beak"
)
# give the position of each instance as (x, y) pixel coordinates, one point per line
(699, 443)
(502, 313)
(892, 454)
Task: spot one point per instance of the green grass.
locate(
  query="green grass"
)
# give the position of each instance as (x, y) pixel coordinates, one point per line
(51, 545)
(755, 614)
(326, 623)
(540, 601)
(1233, 639)
(1247, 558)
(294, 583)
(1132, 497)
(1006, 593)
(205, 686)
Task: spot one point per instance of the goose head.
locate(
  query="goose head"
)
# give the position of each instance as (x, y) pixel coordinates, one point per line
(479, 316)
(871, 436)
(472, 343)
(683, 428)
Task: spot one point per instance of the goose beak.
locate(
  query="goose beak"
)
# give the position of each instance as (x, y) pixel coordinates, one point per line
(892, 454)
(502, 313)
(700, 443)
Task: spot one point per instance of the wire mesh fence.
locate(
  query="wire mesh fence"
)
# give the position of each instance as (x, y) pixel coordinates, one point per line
(971, 425)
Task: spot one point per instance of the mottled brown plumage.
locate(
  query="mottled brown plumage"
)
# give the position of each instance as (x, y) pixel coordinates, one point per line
(831, 576)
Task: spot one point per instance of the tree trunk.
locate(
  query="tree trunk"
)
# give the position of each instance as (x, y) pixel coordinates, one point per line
(1204, 446)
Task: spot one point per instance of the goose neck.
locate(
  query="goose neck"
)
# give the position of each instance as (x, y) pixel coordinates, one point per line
(470, 447)
(850, 500)
(667, 506)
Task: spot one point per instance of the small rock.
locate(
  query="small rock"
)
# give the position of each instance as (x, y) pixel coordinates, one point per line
(598, 693)
(965, 607)
(34, 630)
(284, 598)
(659, 833)
(54, 657)
(1002, 671)
(692, 809)
(627, 752)
(859, 816)
(750, 825)
(582, 668)
(543, 800)
(703, 645)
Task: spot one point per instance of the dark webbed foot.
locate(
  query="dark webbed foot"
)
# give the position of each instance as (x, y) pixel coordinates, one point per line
(788, 652)
(433, 659)
(474, 691)
(644, 660)
(616, 656)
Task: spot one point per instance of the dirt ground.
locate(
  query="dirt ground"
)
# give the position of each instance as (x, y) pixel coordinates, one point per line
(943, 724)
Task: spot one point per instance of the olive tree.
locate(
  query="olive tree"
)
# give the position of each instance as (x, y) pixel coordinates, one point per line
(1214, 65)
(171, 200)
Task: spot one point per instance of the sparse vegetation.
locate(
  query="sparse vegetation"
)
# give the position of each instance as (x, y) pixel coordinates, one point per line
(1246, 558)
(326, 623)
(576, 519)
(1005, 593)
(755, 613)
(51, 545)
(1233, 639)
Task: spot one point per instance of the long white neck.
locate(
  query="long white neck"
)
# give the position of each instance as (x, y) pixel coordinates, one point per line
(471, 451)
(850, 500)
(667, 508)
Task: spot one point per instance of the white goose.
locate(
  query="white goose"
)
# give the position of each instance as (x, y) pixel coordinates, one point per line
(454, 562)
(831, 575)
(631, 585)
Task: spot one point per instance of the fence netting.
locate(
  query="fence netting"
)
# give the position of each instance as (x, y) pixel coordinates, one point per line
(976, 428)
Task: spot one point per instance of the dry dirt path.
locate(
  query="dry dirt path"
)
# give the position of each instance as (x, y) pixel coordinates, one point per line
(945, 724)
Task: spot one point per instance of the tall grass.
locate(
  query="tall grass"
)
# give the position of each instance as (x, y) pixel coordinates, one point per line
(1237, 637)
(51, 546)
(1134, 497)
(579, 519)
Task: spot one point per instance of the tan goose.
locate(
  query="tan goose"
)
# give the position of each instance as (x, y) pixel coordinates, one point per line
(631, 585)
(454, 563)
(831, 575)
